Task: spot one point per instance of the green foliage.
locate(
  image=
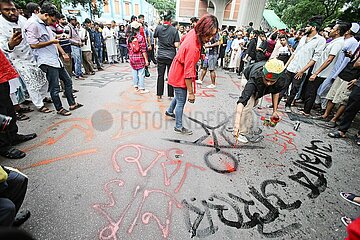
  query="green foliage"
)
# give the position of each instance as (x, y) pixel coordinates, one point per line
(163, 5)
(297, 12)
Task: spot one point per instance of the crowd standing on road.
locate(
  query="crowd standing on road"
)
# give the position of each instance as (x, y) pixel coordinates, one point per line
(43, 52)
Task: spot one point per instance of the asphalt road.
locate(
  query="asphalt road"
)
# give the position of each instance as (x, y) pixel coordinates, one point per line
(115, 169)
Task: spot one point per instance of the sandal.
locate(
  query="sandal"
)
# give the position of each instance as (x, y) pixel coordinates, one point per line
(12, 153)
(336, 134)
(44, 109)
(78, 105)
(346, 221)
(24, 110)
(21, 117)
(64, 112)
(349, 197)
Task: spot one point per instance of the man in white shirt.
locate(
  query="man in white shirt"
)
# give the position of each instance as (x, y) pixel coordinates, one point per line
(110, 36)
(324, 65)
(21, 56)
(306, 54)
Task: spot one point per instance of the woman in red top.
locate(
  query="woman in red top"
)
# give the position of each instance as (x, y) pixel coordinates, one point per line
(137, 56)
(9, 136)
(182, 72)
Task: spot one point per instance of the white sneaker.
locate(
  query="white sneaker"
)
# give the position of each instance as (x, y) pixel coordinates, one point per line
(144, 91)
(199, 82)
(288, 109)
(211, 86)
(241, 138)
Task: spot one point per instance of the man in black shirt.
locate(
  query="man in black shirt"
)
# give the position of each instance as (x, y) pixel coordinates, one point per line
(168, 41)
(262, 79)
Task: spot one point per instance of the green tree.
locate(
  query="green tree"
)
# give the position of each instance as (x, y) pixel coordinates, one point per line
(163, 5)
(297, 12)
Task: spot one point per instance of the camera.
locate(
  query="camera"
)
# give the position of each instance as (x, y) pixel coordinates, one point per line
(4, 122)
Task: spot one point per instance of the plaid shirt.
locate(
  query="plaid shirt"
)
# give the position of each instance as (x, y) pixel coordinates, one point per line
(137, 60)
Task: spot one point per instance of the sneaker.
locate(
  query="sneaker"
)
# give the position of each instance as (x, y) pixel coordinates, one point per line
(142, 91)
(199, 82)
(288, 109)
(242, 138)
(211, 86)
(172, 115)
(184, 131)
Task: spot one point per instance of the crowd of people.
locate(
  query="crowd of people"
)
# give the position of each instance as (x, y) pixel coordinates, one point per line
(43, 52)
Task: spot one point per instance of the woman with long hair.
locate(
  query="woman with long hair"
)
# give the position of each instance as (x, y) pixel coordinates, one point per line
(138, 56)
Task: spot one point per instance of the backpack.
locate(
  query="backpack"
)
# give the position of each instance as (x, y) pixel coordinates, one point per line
(135, 46)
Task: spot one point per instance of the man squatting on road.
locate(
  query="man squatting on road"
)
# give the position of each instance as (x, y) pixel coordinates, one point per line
(262, 79)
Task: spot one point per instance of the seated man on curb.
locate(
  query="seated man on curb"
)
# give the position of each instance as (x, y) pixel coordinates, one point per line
(262, 79)
(13, 186)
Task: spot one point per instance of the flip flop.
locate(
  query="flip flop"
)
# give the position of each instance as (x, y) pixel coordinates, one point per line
(44, 109)
(21, 117)
(25, 110)
(64, 112)
(349, 197)
(78, 105)
(346, 221)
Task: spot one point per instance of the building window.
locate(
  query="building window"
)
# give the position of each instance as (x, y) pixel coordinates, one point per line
(117, 7)
(127, 9)
(106, 8)
(137, 10)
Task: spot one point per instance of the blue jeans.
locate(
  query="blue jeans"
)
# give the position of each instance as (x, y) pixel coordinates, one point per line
(77, 58)
(53, 75)
(99, 53)
(139, 76)
(178, 104)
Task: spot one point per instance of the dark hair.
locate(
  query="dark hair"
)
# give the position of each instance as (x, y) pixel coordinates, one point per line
(96, 24)
(282, 36)
(31, 7)
(318, 20)
(133, 17)
(194, 19)
(251, 24)
(50, 9)
(207, 23)
(141, 16)
(87, 20)
(175, 23)
(167, 16)
(343, 27)
(132, 34)
(273, 36)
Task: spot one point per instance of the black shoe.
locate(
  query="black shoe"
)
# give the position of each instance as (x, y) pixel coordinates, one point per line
(21, 217)
(100, 69)
(19, 138)
(116, 62)
(12, 153)
(183, 130)
(170, 114)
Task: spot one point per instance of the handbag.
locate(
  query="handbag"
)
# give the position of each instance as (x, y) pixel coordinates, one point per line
(147, 73)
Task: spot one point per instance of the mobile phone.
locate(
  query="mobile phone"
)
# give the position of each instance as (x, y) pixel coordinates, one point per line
(16, 30)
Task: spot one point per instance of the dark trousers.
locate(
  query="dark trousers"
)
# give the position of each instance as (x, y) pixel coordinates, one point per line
(53, 75)
(295, 86)
(11, 197)
(95, 57)
(352, 108)
(163, 65)
(151, 54)
(311, 92)
(7, 108)
(123, 53)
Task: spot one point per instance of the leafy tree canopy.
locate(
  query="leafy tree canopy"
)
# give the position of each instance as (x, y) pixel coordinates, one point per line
(295, 13)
